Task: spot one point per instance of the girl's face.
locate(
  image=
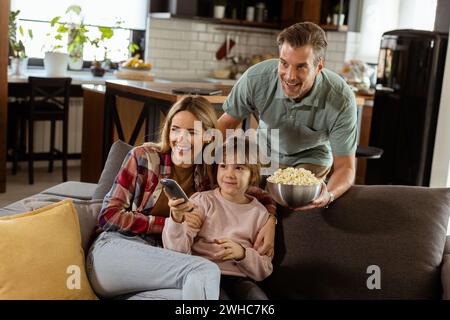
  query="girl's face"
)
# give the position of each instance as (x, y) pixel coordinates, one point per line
(182, 138)
(233, 180)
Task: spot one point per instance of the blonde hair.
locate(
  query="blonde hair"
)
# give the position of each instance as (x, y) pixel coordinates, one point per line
(198, 106)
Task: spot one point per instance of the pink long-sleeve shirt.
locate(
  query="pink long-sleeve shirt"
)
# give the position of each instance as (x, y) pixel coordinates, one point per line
(222, 219)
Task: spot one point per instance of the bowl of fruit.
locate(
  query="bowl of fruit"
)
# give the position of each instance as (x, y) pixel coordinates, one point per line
(135, 69)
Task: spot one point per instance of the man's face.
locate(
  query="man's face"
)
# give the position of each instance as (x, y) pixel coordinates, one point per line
(296, 70)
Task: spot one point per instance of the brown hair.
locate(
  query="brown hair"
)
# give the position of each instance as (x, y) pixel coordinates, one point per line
(305, 33)
(248, 159)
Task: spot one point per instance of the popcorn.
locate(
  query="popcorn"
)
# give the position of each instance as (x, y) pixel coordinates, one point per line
(294, 176)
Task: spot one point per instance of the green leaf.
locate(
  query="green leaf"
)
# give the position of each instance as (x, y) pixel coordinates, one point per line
(55, 20)
(21, 30)
(58, 37)
(74, 8)
(30, 33)
(62, 29)
(106, 32)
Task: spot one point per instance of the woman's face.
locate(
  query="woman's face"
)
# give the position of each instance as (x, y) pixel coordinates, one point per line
(185, 138)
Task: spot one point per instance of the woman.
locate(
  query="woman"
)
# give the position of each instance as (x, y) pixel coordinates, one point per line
(129, 258)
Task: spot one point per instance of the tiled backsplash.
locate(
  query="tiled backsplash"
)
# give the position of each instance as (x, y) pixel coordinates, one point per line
(342, 47)
(186, 49)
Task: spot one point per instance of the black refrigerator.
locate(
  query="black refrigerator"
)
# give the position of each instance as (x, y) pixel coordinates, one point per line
(405, 111)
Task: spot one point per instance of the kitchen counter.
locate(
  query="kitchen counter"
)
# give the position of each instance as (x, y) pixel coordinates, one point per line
(78, 77)
(163, 90)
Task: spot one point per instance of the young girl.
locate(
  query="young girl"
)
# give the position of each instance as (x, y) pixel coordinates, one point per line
(223, 227)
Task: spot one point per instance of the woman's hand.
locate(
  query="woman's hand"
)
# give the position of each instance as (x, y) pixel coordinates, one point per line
(231, 250)
(265, 240)
(193, 219)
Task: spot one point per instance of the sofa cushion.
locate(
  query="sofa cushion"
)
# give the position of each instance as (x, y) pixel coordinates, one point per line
(116, 155)
(334, 253)
(87, 211)
(41, 255)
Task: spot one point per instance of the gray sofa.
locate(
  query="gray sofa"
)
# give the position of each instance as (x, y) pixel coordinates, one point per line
(375, 242)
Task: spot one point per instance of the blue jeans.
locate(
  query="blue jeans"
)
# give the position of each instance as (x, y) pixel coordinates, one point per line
(131, 267)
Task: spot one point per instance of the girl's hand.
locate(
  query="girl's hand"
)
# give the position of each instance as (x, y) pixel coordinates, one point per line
(193, 219)
(231, 250)
(178, 207)
(265, 240)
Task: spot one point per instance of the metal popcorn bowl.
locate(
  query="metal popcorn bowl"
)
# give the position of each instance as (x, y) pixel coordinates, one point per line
(293, 196)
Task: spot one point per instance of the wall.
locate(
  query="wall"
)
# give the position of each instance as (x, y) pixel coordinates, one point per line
(342, 46)
(185, 49)
(440, 169)
(442, 21)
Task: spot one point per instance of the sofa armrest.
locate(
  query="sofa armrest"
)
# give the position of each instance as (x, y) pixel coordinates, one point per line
(445, 271)
(445, 277)
(447, 245)
(72, 189)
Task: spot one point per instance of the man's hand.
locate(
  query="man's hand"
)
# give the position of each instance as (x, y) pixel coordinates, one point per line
(231, 250)
(322, 200)
(265, 240)
(340, 181)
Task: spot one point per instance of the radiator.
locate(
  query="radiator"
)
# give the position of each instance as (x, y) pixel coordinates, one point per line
(42, 130)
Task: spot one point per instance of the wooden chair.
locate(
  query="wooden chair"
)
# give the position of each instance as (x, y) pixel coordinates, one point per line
(49, 101)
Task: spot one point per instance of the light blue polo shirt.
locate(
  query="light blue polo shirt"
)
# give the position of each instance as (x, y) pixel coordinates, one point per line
(321, 125)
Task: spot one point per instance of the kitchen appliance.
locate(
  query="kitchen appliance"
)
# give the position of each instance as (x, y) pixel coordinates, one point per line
(409, 81)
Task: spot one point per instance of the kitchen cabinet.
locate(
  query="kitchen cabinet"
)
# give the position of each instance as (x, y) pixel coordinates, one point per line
(318, 11)
(277, 14)
(236, 10)
(329, 15)
(294, 11)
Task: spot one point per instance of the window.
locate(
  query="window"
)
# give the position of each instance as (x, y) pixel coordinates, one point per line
(379, 16)
(132, 13)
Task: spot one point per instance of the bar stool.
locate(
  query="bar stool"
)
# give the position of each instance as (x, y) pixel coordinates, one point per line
(49, 101)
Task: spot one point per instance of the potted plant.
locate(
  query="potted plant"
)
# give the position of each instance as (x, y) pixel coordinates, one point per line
(19, 58)
(339, 14)
(76, 33)
(77, 37)
(98, 68)
(56, 59)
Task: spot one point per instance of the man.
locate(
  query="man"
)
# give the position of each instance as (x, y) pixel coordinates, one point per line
(313, 108)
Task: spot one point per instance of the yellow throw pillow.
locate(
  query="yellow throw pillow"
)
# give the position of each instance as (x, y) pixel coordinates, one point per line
(41, 255)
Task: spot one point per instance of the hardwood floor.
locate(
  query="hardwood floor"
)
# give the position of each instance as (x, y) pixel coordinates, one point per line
(17, 186)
